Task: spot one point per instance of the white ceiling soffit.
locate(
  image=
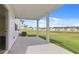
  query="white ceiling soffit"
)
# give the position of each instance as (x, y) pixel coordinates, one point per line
(33, 11)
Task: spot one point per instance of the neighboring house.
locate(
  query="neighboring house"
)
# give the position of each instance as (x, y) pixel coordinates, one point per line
(43, 28)
(30, 28)
(68, 29)
(35, 28)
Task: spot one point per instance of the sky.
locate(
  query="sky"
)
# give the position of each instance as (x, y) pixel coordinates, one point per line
(67, 15)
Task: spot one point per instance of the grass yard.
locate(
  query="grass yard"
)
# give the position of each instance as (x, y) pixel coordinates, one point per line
(69, 41)
(66, 40)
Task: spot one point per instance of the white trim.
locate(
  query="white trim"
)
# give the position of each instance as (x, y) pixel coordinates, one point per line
(47, 28)
(7, 22)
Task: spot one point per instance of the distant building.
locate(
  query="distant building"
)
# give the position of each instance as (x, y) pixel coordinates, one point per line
(69, 29)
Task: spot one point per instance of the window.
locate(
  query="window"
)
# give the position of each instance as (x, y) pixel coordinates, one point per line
(16, 27)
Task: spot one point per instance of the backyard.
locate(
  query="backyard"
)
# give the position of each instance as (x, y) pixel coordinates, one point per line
(67, 40)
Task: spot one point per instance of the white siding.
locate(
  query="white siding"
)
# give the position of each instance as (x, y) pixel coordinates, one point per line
(12, 34)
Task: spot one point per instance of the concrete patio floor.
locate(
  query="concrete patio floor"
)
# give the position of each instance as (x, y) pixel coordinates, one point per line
(2, 51)
(34, 45)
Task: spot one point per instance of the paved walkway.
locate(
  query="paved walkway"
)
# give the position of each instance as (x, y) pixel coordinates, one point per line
(34, 45)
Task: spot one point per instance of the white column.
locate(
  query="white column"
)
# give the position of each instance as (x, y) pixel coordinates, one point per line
(37, 34)
(47, 28)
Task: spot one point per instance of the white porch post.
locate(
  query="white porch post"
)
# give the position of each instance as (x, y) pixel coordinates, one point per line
(37, 34)
(47, 28)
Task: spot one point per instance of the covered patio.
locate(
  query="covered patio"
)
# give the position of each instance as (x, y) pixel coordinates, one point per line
(25, 45)
(34, 12)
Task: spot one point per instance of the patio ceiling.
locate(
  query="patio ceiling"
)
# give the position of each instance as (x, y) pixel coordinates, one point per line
(33, 11)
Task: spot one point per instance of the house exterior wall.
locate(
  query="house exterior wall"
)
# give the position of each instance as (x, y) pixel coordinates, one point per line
(12, 34)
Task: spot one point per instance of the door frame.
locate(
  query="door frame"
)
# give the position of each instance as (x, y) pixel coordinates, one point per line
(6, 27)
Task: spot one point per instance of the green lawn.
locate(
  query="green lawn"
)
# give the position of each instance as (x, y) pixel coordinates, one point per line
(66, 40)
(31, 33)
